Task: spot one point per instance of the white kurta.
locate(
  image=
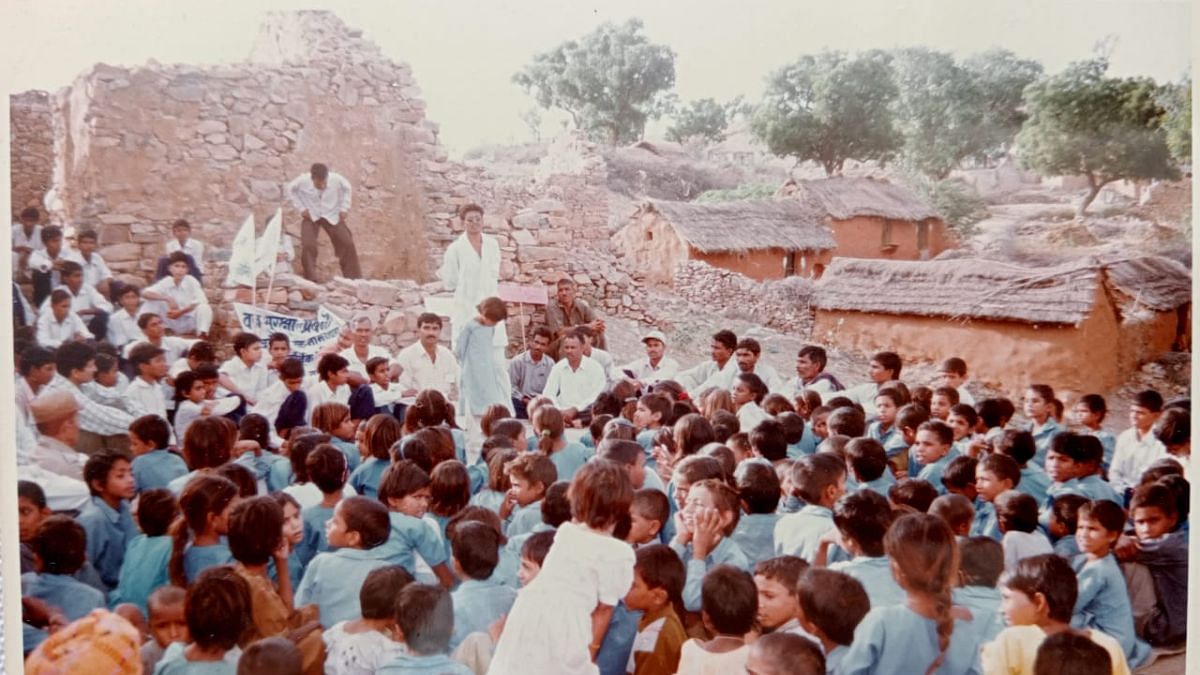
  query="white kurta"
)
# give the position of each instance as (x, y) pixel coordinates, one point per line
(472, 277)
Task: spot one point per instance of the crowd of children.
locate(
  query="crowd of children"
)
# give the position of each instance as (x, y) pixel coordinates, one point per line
(258, 520)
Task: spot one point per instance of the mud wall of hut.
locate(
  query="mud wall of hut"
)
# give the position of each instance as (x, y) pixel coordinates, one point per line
(765, 264)
(862, 237)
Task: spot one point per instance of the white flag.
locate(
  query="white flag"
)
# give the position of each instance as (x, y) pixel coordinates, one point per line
(266, 250)
(241, 259)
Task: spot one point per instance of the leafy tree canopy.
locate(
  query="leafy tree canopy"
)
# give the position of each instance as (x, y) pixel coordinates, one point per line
(704, 119)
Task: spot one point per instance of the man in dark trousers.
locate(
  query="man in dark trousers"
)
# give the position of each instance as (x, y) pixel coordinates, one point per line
(323, 199)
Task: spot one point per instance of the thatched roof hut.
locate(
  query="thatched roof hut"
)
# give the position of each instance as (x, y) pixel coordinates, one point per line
(1083, 326)
(761, 238)
(873, 218)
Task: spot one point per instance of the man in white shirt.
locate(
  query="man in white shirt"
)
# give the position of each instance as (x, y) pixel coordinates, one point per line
(323, 199)
(811, 375)
(1137, 447)
(154, 331)
(575, 381)
(721, 348)
(245, 374)
(426, 364)
(144, 393)
(95, 271)
(122, 325)
(747, 358)
(183, 243)
(590, 350)
(885, 367)
(45, 264)
(655, 366)
(60, 324)
(26, 237)
(361, 351)
(186, 307)
(86, 302)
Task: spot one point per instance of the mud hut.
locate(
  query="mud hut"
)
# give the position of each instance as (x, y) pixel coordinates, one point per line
(1083, 326)
(873, 218)
(759, 238)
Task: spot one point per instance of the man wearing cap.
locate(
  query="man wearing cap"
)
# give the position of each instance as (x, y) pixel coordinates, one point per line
(655, 366)
(57, 416)
(323, 198)
(566, 311)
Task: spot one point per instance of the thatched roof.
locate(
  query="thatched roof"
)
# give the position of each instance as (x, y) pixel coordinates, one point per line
(968, 288)
(1154, 282)
(745, 225)
(844, 198)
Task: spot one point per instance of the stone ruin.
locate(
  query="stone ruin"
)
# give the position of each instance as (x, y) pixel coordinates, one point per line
(126, 151)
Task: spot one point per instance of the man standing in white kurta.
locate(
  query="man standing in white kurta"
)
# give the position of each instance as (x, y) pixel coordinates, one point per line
(471, 268)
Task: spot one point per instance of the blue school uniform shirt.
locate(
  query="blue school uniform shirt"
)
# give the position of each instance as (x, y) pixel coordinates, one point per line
(726, 552)
(109, 531)
(986, 523)
(515, 544)
(1067, 547)
(488, 499)
(933, 473)
(1054, 491)
(875, 431)
(432, 664)
(807, 445)
(196, 559)
(477, 604)
(31, 638)
(569, 460)
(477, 474)
(645, 438)
(1043, 438)
(1034, 482)
(1103, 604)
(173, 662)
(76, 599)
(984, 603)
(800, 533)
(833, 659)
(613, 655)
(295, 570)
(1095, 487)
(880, 485)
(365, 479)
(332, 582)
(1109, 442)
(313, 541)
(875, 575)
(350, 450)
(755, 535)
(280, 476)
(524, 518)
(144, 570)
(156, 469)
(411, 536)
(897, 641)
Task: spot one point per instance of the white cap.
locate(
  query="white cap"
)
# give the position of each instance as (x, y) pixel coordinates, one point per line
(655, 335)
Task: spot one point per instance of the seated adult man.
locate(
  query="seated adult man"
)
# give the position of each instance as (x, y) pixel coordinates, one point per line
(183, 305)
(425, 364)
(655, 366)
(596, 354)
(529, 370)
(747, 358)
(811, 375)
(575, 381)
(57, 417)
(361, 350)
(87, 302)
(566, 311)
(101, 427)
(718, 371)
(885, 367)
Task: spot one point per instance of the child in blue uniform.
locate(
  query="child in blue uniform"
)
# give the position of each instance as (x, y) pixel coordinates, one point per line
(106, 517)
(495, 491)
(862, 518)
(819, 480)
(358, 528)
(379, 434)
(60, 549)
(530, 475)
(548, 425)
(778, 582)
(832, 604)
(404, 488)
(364, 645)
(995, 474)
(327, 469)
(479, 599)
(1064, 516)
(887, 402)
(1090, 411)
(982, 563)
(1038, 403)
(154, 466)
(932, 451)
(425, 621)
(146, 557)
(926, 634)
(197, 542)
(1103, 601)
(759, 493)
(1021, 447)
(218, 614)
(867, 464)
(707, 518)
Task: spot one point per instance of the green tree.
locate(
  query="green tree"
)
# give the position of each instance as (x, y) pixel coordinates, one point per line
(829, 108)
(1177, 99)
(704, 119)
(1082, 122)
(939, 110)
(1000, 78)
(611, 81)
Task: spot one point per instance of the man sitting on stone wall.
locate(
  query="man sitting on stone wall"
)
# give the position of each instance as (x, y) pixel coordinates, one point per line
(566, 311)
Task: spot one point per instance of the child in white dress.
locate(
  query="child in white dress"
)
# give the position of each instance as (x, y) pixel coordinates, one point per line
(560, 618)
(362, 646)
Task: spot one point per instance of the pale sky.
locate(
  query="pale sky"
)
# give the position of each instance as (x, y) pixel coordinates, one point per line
(465, 53)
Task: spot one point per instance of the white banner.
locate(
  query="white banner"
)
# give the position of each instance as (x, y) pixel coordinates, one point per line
(307, 336)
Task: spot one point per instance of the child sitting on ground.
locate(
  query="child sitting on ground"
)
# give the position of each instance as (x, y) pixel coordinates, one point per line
(759, 494)
(271, 656)
(31, 511)
(729, 606)
(648, 515)
(59, 548)
(1162, 548)
(899, 449)
(334, 419)
(703, 526)
(355, 532)
(218, 613)
(548, 425)
(959, 476)
(982, 564)
(362, 646)
(658, 577)
(154, 465)
(496, 490)
(913, 494)
(533, 554)
(1021, 447)
(1090, 412)
(107, 518)
(1038, 598)
(1017, 516)
(530, 474)
(326, 467)
(147, 554)
(832, 604)
(404, 489)
(994, 475)
(819, 480)
(198, 537)
(778, 583)
(887, 402)
(425, 622)
(479, 599)
(932, 452)
(867, 464)
(167, 624)
(957, 511)
(862, 519)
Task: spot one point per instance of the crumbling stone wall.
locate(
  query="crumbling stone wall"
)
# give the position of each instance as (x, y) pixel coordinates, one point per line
(783, 304)
(31, 155)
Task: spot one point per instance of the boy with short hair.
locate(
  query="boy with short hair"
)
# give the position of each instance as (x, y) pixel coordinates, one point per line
(145, 394)
(245, 375)
(1163, 549)
(60, 547)
(46, 263)
(953, 373)
(959, 476)
(956, 511)
(994, 474)
(328, 471)
(1021, 447)
(86, 301)
(147, 554)
(154, 465)
(1137, 447)
(285, 393)
(982, 562)
(182, 242)
(832, 605)
(167, 624)
(60, 324)
(122, 324)
(649, 416)
(1090, 462)
(334, 373)
(425, 622)
(901, 457)
(778, 582)
(885, 367)
(1017, 514)
(867, 463)
(819, 480)
(37, 370)
(95, 272)
(944, 398)
(1090, 411)
(862, 519)
(658, 577)
(479, 599)
(530, 475)
(914, 493)
(932, 452)
(768, 441)
(648, 513)
(106, 517)
(183, 304)
(759, 492)
(31, 511)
